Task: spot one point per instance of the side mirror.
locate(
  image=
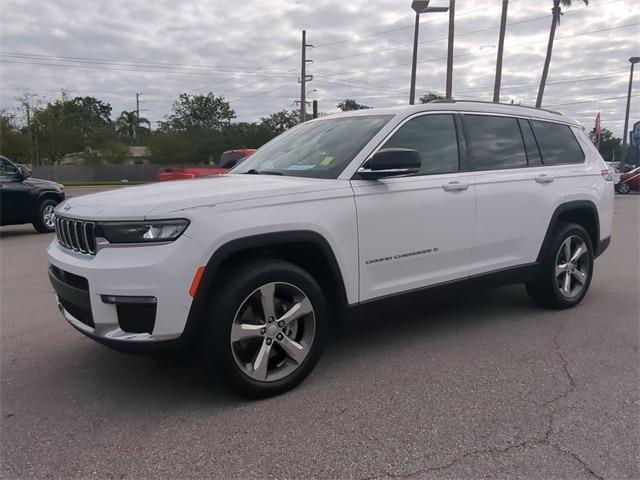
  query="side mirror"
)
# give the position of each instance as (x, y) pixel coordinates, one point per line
(23, 172)
(391, 162)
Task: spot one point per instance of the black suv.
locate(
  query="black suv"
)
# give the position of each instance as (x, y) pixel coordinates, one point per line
(27, 200)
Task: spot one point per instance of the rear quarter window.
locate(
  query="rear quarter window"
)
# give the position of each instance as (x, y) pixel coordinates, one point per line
(558, 145)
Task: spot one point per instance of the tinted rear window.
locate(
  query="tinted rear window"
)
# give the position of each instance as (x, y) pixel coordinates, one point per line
(493, 142)
(557, 143)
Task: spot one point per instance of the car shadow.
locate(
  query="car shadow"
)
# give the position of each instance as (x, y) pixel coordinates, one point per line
(178, 381)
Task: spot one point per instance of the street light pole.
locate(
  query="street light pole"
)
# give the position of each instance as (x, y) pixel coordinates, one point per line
(412, 92)
(419, 6)
(633, 61)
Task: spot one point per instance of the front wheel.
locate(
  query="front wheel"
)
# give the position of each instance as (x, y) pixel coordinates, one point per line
(566, 269)
(623, 188)
(266, 328)
(44, 221)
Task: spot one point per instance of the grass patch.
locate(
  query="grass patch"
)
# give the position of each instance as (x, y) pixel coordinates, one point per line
(102, 184)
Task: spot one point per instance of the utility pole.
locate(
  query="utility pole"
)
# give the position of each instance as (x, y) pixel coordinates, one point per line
(25, 101)
(138, 106)
(452, 16)
(304, 78)
(633, 61)
(503, 27)
(419, 6)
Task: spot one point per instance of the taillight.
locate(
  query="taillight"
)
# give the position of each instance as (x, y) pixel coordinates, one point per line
(606, 174)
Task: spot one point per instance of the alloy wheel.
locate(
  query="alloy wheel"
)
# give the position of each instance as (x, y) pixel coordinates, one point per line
(272, 332)
(48, 217)
(624, 187)
(572, 267)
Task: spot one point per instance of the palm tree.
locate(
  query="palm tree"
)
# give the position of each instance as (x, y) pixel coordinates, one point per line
(503, 27)
(129, 126)
(555, 21)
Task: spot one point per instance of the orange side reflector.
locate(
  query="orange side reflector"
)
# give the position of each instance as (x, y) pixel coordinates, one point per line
(196, 281)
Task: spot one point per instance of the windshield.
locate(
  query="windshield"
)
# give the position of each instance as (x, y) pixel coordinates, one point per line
(317, 149)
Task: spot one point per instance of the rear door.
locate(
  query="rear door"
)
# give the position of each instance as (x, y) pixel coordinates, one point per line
(516, 194)
(416, 231)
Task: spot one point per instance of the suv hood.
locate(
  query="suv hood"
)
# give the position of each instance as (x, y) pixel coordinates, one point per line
(158, 199)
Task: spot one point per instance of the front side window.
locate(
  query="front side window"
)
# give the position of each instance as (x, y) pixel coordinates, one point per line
(493, 142)
(434, 138)
(557, 143)
(7, 169)
(316, 149)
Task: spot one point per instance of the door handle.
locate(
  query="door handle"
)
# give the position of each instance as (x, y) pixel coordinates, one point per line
(455, 186)
(542, 178)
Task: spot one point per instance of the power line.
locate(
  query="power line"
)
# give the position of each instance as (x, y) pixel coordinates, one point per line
(477, 54)
(405, 27)
(429, 41)
(591, 101)
(140, 70)
(129, 63)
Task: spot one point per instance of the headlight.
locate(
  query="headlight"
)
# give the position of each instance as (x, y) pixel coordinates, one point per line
(141, 232)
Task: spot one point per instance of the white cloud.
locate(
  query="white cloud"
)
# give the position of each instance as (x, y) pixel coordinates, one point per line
(164, 47)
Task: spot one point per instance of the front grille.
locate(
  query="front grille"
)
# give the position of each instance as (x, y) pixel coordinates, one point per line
(76, 235)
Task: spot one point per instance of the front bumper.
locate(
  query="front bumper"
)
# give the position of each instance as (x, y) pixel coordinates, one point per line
(84, 283)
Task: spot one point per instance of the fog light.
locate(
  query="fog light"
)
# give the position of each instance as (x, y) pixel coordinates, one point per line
(128, 300)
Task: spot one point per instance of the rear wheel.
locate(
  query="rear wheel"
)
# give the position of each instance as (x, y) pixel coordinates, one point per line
(566, 270)
(266, 329)
(623, 187)
(44, 220)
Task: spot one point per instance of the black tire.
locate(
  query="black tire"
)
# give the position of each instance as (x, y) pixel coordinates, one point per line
(545, 291)
(39, 222)
(623, 188)
(239, 284)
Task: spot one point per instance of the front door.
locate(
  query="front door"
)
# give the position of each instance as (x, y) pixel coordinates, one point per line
(14, 195)
(416, 231)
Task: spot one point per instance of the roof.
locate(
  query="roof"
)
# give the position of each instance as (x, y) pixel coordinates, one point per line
(465, 106)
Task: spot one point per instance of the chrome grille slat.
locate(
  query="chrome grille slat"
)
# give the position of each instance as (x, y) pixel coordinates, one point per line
(76, 235)
(67, 229)
(77, 228)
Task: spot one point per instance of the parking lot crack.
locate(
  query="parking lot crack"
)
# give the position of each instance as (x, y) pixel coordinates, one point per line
(567, 372)
(545, 440)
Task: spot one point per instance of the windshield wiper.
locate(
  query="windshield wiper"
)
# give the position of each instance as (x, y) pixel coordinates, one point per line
(253, 171)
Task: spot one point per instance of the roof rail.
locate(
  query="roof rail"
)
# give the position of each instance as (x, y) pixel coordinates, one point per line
(493, 103)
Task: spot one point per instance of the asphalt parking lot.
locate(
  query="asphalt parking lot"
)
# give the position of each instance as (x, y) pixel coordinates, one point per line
(475, 385)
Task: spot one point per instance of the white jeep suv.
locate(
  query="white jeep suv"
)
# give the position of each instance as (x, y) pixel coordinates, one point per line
(337, 211)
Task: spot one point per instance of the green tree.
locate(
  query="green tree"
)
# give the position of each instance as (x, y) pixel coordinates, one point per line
(72, 125)
(430, 96)
(278, 122)
(131, 128)
(110, 153)
(556, 13)
(14, 141)
(171, 148)
(610, 146)
(193, 112)
(350, 104)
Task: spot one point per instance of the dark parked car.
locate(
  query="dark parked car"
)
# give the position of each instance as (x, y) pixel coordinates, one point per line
(27, 200)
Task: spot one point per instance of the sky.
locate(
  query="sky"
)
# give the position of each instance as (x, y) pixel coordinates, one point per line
(249, 52)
